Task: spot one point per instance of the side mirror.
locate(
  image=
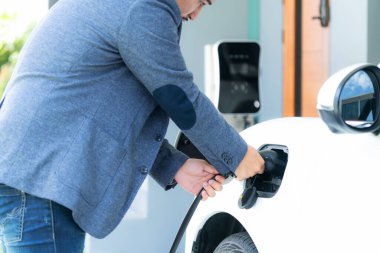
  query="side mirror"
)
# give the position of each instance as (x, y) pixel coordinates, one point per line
(349, 101)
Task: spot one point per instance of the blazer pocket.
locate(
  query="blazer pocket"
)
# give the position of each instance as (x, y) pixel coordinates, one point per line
(91, 163)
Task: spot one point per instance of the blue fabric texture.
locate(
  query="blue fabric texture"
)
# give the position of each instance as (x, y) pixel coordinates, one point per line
(79, 124)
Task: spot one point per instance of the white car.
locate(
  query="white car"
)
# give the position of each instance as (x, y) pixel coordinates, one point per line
(323, 194)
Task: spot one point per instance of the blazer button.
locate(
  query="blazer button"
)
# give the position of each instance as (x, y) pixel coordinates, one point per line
(143, 170)
(158, 137)
(227, 158)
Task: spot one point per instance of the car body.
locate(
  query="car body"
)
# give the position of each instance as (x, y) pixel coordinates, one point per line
(325, 201)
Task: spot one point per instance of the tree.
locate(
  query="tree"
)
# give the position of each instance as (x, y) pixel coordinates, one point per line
(10, 47)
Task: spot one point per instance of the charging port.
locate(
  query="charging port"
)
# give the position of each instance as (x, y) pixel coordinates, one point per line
(267, 184)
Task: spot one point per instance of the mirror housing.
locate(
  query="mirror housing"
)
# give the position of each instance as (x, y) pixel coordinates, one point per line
(356, 86)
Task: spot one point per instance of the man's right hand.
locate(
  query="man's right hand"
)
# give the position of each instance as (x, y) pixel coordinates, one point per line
(251, 165)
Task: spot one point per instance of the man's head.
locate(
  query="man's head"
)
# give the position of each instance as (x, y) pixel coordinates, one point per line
(190, 9)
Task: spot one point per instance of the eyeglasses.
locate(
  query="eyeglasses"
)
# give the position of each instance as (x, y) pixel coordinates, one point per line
(201, 4)
(205, 2)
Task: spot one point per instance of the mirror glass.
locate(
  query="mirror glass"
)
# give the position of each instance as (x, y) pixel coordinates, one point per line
(357, 101)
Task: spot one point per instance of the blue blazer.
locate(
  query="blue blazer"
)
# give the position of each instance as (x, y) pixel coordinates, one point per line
(83, 118)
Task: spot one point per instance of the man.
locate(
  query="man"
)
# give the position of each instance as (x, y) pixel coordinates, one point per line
(83, 117)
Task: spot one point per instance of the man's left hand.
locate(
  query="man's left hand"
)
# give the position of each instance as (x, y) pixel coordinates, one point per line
(196, 174)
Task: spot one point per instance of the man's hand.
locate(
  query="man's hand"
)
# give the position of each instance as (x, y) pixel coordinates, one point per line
(195, 174)
(251, 165)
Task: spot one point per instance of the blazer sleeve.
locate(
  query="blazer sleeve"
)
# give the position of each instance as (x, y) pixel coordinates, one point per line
(166, 165)
(148, 42)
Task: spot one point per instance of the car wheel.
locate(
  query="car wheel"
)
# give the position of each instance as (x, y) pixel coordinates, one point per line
(237, 243)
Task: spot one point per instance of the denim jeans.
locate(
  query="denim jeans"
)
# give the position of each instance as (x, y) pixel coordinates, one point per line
(33, 225)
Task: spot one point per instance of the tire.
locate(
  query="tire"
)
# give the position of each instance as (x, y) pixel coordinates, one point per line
(237, 243)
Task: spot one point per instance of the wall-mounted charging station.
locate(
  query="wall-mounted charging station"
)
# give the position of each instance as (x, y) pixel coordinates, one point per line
(232, 80)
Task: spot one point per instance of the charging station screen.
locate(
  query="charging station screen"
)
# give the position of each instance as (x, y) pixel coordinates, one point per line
(239, 77)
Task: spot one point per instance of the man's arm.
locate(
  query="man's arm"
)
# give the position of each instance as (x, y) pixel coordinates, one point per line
(168, 162)
(149, 45)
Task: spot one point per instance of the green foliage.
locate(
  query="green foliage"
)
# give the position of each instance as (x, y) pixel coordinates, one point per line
(10, 47)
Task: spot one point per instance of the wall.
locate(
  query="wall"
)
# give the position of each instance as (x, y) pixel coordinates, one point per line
(348, 33)
(373, 31)
(254, 19)
(355, 36)
(271, 16)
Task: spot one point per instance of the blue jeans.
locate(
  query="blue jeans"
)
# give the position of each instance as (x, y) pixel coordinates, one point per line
(33, 225)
